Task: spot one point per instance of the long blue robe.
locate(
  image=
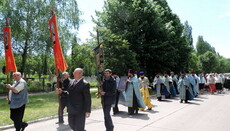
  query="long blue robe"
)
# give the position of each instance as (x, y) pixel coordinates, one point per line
(172, 90)
(134, 85)
(193, 84)
(182, 84)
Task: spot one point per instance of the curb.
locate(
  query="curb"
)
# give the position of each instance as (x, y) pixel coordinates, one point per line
(31, 122)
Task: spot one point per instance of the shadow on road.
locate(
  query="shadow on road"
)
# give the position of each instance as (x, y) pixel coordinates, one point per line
(63, 127)
(193, 103)
(198, 100)
(123, 114)
(165, 101)
(201, 97)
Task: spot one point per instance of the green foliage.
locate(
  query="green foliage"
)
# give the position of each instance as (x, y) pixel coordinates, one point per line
(82, 57)
(34, 86)
(203, 46)
(209, 62)
(194, 63)
(2, 4)
(187, 32)
(30, 33)
(153, 34)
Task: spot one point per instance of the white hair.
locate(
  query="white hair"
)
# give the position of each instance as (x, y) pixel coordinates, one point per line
(65, 73)
(17, 73)
(79, 69)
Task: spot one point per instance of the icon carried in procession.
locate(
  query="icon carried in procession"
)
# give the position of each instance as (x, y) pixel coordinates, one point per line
(99, 53)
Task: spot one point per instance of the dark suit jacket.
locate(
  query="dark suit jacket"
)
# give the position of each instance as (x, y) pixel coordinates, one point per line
(79, 98)
(109, 87)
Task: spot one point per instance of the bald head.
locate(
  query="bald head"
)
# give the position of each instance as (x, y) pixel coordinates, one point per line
(78, 73)
(17, 76)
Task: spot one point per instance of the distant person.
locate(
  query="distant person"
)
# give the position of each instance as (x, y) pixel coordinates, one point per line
(118, 92)
(144, 81)
(218, 81)
(175, 81)
(79, 101)
(158, 84)
(18, 98)
(108, 94)
(185, 88)
(166, 81)
(202, 82)
(211, 83)
(64, 96)
(133, 96)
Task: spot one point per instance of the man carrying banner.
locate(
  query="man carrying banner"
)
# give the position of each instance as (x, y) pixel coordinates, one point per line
(108, 94)
(64, 96)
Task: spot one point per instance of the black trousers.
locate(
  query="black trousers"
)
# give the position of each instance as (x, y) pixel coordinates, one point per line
(77, 121)
(16, 115)
(115, 108)
(108, 120)
(64, 103)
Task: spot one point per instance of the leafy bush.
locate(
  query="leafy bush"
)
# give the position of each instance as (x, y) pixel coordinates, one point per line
(34, 86)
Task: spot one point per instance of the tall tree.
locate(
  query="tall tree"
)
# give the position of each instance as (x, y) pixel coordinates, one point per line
(203, 46)
(29, 19)
(152, 30)
(209, 62)
(187, 33)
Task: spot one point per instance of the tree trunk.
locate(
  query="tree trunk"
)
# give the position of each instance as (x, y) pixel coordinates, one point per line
(24, 57)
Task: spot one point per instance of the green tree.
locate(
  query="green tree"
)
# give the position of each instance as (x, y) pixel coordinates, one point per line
(83, 58)
(2, 4)
(187, 33)
(209, 62)
(203, 46)
(152, 30)
(30, 34)
(194, 62)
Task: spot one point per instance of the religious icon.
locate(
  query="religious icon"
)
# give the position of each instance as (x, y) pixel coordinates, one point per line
(6, 41)
(53, 34)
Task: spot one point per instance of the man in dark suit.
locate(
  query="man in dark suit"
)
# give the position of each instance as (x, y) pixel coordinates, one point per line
(64, 96)
(108, 94)
(79, 101)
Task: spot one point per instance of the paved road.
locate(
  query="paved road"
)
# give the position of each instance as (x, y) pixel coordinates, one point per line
(205, 113)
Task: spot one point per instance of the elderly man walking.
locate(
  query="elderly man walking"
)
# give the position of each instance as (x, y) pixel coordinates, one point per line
(18, 98)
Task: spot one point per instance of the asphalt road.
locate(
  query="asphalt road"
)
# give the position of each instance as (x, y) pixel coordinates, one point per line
(205, 113)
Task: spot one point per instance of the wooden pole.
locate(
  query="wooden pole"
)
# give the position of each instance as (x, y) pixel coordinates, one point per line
(7, 75)
(100, 76)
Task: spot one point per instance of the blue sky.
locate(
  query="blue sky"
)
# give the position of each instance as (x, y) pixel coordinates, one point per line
(209, 18)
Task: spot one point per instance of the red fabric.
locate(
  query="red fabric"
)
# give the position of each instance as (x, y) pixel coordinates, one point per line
(212, 88)
(9, 56)
(60, 62)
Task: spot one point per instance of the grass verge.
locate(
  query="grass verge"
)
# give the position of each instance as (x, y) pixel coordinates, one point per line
(40, 106)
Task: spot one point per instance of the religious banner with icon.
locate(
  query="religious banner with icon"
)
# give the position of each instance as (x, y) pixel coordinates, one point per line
(9, 56)
(60, 62)
(99, 53)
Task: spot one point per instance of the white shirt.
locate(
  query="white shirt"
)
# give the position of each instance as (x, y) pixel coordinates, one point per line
(19, 88)
(218, 79)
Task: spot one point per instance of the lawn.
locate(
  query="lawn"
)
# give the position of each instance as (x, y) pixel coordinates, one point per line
(40, 106)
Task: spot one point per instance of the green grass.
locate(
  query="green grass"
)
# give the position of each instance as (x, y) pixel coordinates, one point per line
(40, 106)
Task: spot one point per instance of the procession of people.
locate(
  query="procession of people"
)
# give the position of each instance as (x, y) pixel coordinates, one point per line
(131, 91)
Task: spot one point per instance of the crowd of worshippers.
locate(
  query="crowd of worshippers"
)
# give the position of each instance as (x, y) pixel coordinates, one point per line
(136, 94)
